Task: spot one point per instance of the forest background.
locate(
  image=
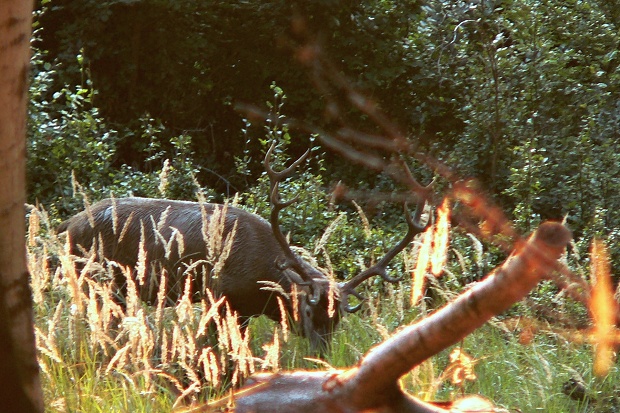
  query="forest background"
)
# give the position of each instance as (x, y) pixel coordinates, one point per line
(521, 95)
(141, 97)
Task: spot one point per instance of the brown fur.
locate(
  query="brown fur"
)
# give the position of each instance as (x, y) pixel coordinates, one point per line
(254, 257)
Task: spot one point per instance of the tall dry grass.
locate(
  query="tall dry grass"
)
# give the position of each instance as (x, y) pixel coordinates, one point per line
(97, 355)
(181, 349)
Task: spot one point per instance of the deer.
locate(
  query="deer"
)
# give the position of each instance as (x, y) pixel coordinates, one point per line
(120, 230)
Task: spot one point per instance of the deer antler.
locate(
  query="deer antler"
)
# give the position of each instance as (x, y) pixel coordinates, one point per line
(380, 268)
(292, 260)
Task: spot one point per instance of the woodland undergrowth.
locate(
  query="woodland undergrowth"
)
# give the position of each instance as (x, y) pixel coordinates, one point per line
(96, 355)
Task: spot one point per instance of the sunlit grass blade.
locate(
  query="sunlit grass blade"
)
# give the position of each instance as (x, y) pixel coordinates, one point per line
(441, 236)
(603, 307)
(419, 272)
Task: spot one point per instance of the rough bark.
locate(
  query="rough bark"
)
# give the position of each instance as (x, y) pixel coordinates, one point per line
(20, 388)
(373, 385)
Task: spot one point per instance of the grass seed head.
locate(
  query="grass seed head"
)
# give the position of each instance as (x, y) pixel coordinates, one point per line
(283, 319)
(419, 272)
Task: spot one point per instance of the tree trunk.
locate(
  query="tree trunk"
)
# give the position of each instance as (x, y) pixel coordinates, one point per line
(20, 387)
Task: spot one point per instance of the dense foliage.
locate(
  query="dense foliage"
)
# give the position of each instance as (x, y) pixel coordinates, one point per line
(522, 95)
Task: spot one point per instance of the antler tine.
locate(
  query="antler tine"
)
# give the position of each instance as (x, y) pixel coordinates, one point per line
(285, 173)
(277, 205)
(380, 268)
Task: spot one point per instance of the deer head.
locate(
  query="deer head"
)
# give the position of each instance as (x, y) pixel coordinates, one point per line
(317, 321)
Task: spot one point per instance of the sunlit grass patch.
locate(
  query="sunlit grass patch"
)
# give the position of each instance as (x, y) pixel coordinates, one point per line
(99, 356)
(190, 350)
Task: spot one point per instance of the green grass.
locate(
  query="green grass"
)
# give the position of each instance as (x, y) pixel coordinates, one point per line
(93, 365)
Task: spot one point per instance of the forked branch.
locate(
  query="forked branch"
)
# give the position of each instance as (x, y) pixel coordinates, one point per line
(373, 385)
(511, 282)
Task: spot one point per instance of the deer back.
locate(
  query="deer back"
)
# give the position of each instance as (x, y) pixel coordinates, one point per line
(114, 229)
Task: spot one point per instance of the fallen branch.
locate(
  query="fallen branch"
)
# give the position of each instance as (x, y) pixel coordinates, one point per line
(373, 386)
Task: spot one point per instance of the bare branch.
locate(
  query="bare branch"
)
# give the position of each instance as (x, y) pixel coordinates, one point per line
(373, 385)
(528, 265)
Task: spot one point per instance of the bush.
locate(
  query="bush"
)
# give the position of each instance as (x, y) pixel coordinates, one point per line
(70, 147)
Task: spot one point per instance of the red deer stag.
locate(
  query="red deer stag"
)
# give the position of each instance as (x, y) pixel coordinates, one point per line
(171, 236)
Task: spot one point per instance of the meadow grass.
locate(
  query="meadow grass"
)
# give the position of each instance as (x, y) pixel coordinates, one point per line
(96, 356)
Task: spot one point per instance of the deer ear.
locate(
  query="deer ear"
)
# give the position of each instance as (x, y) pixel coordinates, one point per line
(292, 276)
(314, 289)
